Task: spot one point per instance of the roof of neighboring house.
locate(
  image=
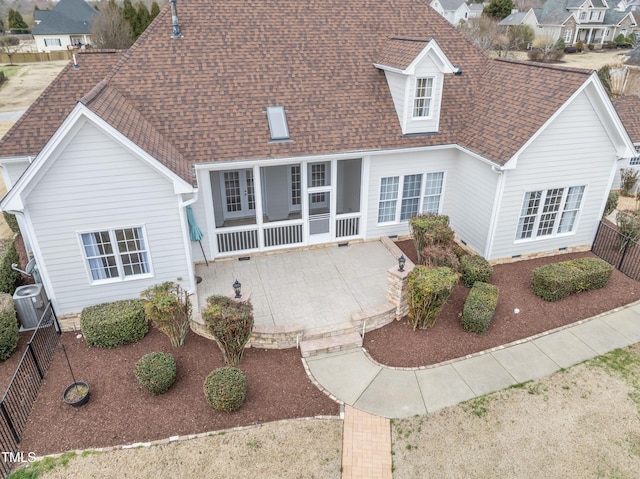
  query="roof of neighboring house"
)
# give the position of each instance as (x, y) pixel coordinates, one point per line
(67, 17)
(451, 5)
(476, 7)
(202, 98)
(514, 19)
(633, 57)
(628, 108)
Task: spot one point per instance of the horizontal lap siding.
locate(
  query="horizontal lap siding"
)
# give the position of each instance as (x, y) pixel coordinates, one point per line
(93, 185)
(405, 164)
(397, 87)
(574, 150)
(470, 204)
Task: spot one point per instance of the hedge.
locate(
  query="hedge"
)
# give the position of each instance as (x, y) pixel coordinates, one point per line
(156, 372)
(475, 268)
(113, 324)
(9, 329)
(427, 292)
(9, 278)
(225, 389)
(559, 280)
(479, 307)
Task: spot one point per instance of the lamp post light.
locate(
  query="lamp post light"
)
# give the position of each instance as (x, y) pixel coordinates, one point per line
(401, 261)
(236, 288)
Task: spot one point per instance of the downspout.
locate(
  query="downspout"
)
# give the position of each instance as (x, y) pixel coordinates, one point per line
(497, 203)
(187, 241)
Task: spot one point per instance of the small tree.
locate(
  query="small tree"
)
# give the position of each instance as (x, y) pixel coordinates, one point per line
(628, 180)
(498, 9)
(10, 45)
(481, 31)
(16, 22)
(230, 322)
(520, 36)
(111, 30)
(427, 292)
(168, 307)
(143, 19)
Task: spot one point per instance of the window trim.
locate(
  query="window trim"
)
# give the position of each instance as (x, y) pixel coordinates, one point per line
(400, 196)
(430, 97)
(121, 277)
(568, 33)
(539, 212)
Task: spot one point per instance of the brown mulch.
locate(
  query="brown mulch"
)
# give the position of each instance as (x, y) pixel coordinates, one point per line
(399, 345)
(119, 411)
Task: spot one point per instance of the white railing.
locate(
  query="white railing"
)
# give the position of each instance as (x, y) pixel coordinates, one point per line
(237, 239)
(280, 234)
(348, 225)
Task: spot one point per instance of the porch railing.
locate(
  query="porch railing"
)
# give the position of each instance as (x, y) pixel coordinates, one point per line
(282, 234)
(237, 239)
(348, 225)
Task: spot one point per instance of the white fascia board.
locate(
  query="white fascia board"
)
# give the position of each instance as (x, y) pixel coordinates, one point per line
(14, 199)
(432, 49)
(599, 95)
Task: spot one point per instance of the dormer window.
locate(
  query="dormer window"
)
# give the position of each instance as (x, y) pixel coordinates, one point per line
(422, 100)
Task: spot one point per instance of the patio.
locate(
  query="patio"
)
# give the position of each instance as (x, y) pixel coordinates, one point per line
(304, 289)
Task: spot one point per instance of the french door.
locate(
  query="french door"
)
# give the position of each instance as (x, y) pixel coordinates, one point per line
(239, 193)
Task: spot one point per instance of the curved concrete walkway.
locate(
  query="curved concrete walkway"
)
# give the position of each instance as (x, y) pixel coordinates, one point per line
(354, 379)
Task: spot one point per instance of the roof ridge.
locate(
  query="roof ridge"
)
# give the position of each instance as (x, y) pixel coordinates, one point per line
(411, 39)
(547, 66)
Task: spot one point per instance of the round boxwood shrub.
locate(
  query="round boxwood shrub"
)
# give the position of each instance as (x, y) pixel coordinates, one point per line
(9, 329)
(113, 324)
(475, 268)
(225, 389)
(156, 372)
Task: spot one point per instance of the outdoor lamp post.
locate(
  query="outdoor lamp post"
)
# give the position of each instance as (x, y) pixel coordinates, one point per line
(401, 261)
(236, 288)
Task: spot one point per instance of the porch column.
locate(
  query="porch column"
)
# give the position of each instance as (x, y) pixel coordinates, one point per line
(257, 191)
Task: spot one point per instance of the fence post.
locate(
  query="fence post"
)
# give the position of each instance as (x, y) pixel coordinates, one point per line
(593, 245)
(9, 423)
(35, 360)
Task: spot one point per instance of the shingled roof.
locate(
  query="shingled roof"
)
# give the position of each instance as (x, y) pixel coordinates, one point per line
(203, 97)
(628, 107)
(67, 17)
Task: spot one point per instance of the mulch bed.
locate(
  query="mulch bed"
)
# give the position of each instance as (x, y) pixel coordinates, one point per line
(119, 411)
(399, 345)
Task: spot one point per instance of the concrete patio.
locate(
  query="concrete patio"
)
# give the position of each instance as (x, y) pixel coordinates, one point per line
(305, 289)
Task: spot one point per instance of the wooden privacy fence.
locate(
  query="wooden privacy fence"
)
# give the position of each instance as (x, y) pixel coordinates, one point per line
(23, 389)
(618, 250)
(28, 57)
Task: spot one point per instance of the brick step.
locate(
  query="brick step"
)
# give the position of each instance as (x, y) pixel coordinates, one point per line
(341, 342)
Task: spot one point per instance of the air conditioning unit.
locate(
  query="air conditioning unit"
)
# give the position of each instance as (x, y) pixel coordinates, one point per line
(30, 302)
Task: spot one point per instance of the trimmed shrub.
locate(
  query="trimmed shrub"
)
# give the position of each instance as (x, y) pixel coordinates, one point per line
(475, 268)
(580, 45)
(113, 324)
(168, 307)
(559, 280)
(628, 179)
(9, 279)
(230, 322)
(437, 255)
(479, 307)
(427, 292)
(156, 372)
(430, 229)
(226, 389)
(11, 221)
(9, 329)
(535, 55)
(612, 203)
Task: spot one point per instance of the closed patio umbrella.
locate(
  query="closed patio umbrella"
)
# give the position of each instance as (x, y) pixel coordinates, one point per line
(195, 233)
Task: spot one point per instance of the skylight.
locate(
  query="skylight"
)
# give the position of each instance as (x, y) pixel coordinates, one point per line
(277, 123)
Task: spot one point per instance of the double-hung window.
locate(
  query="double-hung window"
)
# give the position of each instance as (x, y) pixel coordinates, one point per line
(549, 212)
(402, 197)
(423, 97)
(116, 254)
(567, 35)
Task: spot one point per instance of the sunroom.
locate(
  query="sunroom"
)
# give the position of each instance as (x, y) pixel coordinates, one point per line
(285, 204)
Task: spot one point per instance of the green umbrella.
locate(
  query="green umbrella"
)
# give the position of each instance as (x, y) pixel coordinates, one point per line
(195, 233)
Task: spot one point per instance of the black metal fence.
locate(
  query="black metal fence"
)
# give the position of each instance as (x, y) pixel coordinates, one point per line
(618, 250)
(23, 389)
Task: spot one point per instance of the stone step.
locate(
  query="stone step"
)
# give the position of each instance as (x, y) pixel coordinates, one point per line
(337, 329)
(341, 342)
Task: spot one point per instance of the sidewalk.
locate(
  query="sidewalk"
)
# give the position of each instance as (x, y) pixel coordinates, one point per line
(354, 379)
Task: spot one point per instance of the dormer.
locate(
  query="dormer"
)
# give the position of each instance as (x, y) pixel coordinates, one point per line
(590, 11)
(415, 69)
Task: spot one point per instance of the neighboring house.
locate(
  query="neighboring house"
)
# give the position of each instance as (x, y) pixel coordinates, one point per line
(589, 21)
(293, 125)
(67, 25)
(456, 11)
(628, 107)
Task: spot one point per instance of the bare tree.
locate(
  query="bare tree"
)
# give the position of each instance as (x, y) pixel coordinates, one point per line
(10, 46)
(481, 31)
(111, 30)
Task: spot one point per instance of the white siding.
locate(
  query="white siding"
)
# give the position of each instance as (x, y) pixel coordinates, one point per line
(398, 89)
(12, 171)
(427, 68)
(93, 185)
(573, 150)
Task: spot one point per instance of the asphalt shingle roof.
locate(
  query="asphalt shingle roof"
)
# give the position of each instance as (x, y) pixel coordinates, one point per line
(628, 108)
(67, 17)
(202, 98)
